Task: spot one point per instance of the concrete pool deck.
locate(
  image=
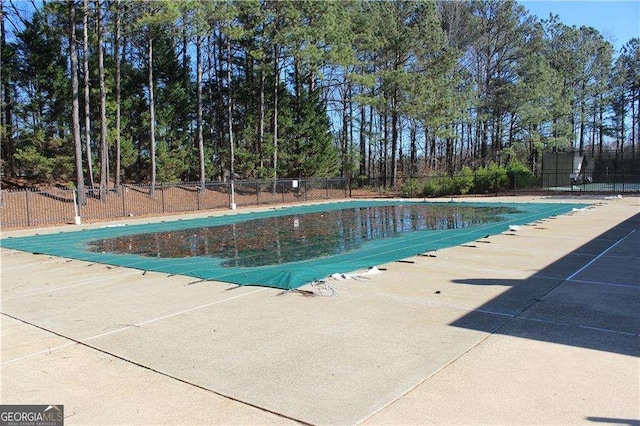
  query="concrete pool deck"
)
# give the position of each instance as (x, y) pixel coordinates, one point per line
(535, 326)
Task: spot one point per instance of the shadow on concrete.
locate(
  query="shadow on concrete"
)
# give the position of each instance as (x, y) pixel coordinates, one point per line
(613, 421)
(588, 298)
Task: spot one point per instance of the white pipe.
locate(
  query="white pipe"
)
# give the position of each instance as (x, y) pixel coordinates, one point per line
(233, 196)
(77, 218)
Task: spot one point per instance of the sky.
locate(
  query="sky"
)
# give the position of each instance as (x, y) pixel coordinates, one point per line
(617, 20)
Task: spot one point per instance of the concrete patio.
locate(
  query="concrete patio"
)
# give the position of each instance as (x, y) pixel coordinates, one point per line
(537, 326)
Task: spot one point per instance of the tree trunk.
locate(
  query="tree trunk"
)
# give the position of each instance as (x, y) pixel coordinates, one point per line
(634, 119)
(104, 147)
(601, 129)
(344, 139)
(87, 109)
(394, 138)
(594, 128)
(220, 109)
(582, 118)
(363, 142)
(484, 129)
(75, 109)
(261, 118)
(276, 83)
(449, 151)
(370, 163)
(384, 149)
(623, 119)
(296, 84)
(116, 48)
(211, 67)
(512, 125)
(351, 145)
(7, 147)
(496, 143)
(230, 122)
(413, 151)
(152, 115)
(434, 156)
(199, 107)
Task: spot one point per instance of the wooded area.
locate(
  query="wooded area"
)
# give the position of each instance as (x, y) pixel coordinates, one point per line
(103, 92)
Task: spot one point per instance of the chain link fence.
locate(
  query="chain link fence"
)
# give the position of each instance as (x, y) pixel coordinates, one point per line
(55, 206)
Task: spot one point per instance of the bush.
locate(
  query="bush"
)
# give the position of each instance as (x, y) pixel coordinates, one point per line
(491, 178)
(34, 164)
(463, 181)
(362, 181)
(438, 186)
(411, 188)
(520, 176)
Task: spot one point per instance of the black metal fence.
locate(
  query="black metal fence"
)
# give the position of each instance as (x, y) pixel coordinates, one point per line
(27, 208)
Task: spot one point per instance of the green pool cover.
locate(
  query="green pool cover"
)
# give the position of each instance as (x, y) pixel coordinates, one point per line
(289, 272)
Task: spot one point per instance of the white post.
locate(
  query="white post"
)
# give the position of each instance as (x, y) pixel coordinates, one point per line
(77, 218)
(232, 205)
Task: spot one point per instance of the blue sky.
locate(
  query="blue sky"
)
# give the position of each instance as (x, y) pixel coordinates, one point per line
(617, 20)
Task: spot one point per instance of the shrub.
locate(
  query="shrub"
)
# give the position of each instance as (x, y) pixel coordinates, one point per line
(463, 181)
(438, 186)
(411, 188)
(490, 179)
(362, 181)
(519, 175)
(34, 164)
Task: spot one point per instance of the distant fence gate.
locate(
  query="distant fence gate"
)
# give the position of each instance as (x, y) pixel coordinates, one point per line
(28, 208)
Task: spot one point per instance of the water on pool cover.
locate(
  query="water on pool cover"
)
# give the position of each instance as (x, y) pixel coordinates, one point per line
(283, 239)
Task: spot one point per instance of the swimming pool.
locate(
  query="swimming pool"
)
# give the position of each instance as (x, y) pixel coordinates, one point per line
(288, 247)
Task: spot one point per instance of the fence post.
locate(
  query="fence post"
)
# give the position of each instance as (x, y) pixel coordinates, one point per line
(257, 193)
(76, 207)
(198, 191)
(26, 197)
(326, 188)
(305, 190)
(123, 190)
(556, 182)
(282, 184)
(162, 195)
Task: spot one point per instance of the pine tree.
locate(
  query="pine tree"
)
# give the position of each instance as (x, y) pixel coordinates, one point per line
(75, 120)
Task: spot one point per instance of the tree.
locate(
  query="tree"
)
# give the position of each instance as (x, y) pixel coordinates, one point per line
(104, 147)
(8, 70)
(116, 53)
(187, 90)
(626, 93)
(498, 48)
(313, 154)
(87, 79)
(75, 118)
(152, 111)
(152, 21)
